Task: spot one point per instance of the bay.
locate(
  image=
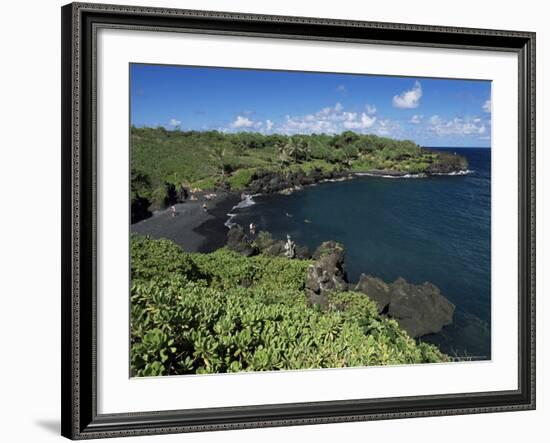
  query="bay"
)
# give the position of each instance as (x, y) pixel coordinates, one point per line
(435, 229)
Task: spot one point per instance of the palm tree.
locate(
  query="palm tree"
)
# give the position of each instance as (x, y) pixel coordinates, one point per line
(306, 150)
(292, 149)
(218, 155)
(283, 154)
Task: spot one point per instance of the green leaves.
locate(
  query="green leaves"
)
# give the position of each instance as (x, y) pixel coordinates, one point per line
(204, 158)
(151, 355)
(189, 314)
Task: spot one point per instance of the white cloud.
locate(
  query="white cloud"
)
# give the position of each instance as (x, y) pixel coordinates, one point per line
(409, 99)
(416, 119)
(268, 125)
(173, 122)
(388, 127)
(456, 126)
(371, 109)
(487, 106)
(330, 120)
(242, 122)
(364, 122)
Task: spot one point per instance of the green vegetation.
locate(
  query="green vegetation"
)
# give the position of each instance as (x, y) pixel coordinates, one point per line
(222, 312)
(164, 160)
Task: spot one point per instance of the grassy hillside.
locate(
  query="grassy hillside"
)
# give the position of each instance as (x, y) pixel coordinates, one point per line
(161, 158)
(222, 312)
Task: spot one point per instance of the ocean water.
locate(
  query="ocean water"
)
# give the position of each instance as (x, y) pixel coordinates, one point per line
(435, 229)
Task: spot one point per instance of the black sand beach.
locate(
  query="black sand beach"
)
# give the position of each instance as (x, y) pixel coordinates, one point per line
(192, 228)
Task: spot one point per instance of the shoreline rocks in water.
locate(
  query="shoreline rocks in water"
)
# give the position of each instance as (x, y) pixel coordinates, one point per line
(419, 309)
(327, 273)
(269, 182)
(238, 241)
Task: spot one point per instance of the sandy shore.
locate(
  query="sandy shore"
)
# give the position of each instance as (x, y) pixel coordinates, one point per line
(192, 228)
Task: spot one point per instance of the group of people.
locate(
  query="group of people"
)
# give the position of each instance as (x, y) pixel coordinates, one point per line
(290, 246)
(173, 211)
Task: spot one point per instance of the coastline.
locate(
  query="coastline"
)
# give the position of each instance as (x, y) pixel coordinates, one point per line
(470, 296)
(198, 231)
(194, 229)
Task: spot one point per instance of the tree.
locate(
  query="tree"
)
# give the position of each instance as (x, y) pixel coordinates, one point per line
(350, 153)
(292, 149)
(298, 149)
(306, 149)
(218, 155)
(283, 154)
(239, 148)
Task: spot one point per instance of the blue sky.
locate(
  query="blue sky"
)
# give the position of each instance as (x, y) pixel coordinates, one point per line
(431, 112)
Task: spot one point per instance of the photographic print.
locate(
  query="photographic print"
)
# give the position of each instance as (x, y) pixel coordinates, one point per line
(285, 220)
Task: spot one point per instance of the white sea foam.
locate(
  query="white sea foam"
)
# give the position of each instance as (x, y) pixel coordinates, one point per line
(247, 201)
(461, 172)
(229, 223)
(372, 174)
(421, 175)
(335, 180)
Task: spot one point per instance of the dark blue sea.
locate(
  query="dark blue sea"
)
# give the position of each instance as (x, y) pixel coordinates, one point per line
(435, 229)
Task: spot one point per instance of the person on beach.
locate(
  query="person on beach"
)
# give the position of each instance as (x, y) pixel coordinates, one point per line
(173, 210)
(252, 228)
(204, 207)
(290, 247)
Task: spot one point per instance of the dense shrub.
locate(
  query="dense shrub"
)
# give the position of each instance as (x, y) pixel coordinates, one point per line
(221, 312)
(161, 158)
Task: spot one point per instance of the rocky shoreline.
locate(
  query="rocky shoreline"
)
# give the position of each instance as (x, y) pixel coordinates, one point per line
(419, 309)
(270, 182)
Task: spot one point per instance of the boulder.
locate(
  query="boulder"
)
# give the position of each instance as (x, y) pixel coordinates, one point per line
(302, 253)
(238, 241)
(419, 309)
(327, 273)
(140, 209)
(377, 290)
(330, 248)
(277, 249)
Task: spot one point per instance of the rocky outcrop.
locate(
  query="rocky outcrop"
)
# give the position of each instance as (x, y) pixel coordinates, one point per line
(327, 274)
(419, 309)
(447, 163)
(238, 241)
(377, 290)
(268, 182)
(140, 209)
(276, 249)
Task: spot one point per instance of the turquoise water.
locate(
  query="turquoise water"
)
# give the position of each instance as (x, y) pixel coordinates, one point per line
(433, 229)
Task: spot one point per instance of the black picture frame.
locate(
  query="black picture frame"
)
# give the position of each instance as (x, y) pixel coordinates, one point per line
(79, 170)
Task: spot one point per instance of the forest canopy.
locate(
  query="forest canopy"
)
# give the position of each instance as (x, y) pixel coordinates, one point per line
(163, 160)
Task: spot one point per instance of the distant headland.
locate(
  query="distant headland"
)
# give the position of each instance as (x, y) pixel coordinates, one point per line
(169, 166)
